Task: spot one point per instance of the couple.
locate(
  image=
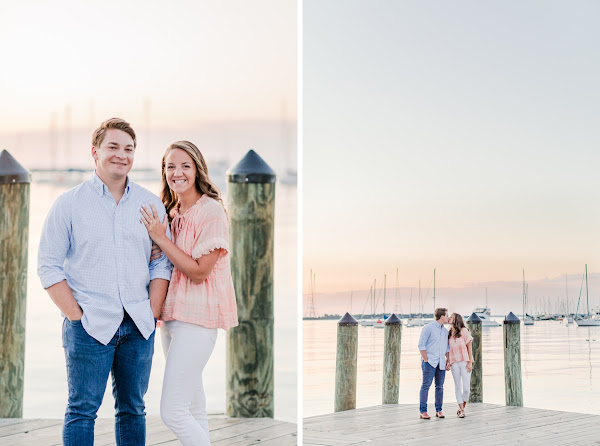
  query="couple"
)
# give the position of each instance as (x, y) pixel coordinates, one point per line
(441, 351)
(97, 263)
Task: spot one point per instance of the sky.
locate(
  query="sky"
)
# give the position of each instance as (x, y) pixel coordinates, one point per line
(461, 136)
(194, 60)
(223, 72)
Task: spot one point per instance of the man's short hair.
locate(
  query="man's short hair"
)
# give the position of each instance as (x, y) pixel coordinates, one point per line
(439, 312)
(112, 123)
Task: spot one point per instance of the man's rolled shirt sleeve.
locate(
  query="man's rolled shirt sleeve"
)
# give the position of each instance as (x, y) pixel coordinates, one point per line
(54, 244)
(423, 338)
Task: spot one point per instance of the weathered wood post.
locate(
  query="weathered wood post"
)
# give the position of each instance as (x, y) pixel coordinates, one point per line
(251, 207)
(512, 360)
(474, 325)
(346, 363)
(14, 236)
(391, 360)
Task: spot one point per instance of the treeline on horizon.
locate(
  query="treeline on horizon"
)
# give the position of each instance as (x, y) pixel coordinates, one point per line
(374, 316)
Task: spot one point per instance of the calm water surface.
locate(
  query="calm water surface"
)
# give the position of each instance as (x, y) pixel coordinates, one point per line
(45, 375)
(560, 366)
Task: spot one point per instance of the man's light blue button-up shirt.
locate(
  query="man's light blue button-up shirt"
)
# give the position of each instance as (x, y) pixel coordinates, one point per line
(434, 340)
(103, 251)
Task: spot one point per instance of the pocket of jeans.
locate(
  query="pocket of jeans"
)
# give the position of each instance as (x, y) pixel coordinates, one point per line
(67, 330)
(64, 333)
(74, 333)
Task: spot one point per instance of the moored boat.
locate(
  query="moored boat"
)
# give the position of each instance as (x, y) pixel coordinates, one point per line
(484, 314)
(593, 317)
(418, 322)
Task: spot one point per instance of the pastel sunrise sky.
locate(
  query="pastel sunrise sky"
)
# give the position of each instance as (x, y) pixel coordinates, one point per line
(195, 61)
(461, 136)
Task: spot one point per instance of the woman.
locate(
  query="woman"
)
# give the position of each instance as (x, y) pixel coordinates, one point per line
(460, 360)
(201, 297)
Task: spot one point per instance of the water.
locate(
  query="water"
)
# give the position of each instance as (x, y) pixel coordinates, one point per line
(560, 367)
(45, 375)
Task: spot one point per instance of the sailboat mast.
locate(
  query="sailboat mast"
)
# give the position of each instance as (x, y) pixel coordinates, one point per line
(434, 291)
(384, 289)
(420, 301)
(373, 300)
(396, 294)
(567, 293)
(523, 293)
(586, 291)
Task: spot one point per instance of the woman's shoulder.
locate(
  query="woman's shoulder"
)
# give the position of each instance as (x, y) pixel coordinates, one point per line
(207, 208)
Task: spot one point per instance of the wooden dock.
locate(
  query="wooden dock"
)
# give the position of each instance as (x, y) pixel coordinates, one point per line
(224, 431)
(485, 424)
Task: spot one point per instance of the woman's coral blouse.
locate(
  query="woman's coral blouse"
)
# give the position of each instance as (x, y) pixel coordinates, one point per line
(211, 304)
(458, 346)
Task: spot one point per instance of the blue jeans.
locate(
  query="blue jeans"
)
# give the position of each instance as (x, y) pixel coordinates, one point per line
(429, 373)
(128, 357)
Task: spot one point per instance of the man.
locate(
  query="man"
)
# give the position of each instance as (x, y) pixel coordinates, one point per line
(94, 261)
(433, 345)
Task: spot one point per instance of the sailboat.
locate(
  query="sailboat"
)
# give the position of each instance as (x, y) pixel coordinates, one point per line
(368, 322)
(568, 317)
(419, 321)
(380, 323)
(527, 320)
(590, 320)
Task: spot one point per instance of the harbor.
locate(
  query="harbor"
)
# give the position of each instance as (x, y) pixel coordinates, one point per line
(559, 364)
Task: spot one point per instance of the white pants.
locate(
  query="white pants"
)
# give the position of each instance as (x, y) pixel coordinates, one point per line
(187, 348)
(462, 381)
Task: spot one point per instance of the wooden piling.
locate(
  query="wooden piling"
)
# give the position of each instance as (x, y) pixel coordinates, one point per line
(249, 367)
(346, 364)
(475, 327)
(391, 360)
(14, 237)
(513, 387)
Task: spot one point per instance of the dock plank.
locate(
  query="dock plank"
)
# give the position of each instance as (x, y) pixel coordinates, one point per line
(224, 431)
(491, 424)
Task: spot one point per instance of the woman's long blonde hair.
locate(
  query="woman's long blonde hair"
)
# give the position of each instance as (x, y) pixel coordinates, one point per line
(203, 183)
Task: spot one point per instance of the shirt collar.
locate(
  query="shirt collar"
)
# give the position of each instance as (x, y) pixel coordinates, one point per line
(101, 188)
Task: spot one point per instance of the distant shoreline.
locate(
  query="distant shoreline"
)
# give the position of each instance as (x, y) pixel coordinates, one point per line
(537, 317)
(369, 316)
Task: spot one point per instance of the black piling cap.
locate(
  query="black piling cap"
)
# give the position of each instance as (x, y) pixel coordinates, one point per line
(11, 171)
(251, 169)
(511, 319)
(474, 319)
(393, 320)
(347, 321)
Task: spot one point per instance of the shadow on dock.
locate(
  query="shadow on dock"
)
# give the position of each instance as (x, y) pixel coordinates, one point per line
(485, 424)
(223, 431)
